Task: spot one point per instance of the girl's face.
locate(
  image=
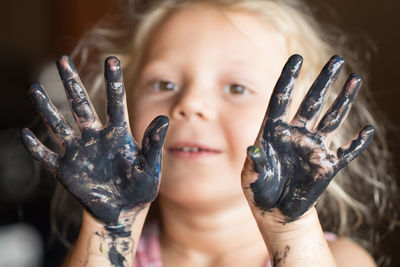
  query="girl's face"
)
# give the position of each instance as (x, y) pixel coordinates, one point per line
(211, 72)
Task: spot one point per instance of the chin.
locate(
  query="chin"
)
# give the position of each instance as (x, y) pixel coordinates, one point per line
(197, 193)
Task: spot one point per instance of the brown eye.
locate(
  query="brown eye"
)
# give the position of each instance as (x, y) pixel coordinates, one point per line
(165, 86)
(235, 89)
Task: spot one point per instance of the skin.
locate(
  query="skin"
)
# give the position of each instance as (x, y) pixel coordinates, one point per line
(280, 257)
(292, 160)
(102, 167)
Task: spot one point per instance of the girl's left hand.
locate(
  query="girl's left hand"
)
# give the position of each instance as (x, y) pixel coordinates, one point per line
(291, 165)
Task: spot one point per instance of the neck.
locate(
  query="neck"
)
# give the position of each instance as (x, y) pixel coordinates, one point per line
(221, 236)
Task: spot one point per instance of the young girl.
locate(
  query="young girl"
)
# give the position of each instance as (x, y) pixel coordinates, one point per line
(211, 72)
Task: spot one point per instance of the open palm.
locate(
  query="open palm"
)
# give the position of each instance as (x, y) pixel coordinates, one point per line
(102, 167)
(291, 165)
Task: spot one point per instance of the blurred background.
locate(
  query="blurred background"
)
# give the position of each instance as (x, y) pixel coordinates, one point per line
(33, 33)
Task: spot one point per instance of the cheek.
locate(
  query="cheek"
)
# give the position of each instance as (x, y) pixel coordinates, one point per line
(244, 124)
(140, 117)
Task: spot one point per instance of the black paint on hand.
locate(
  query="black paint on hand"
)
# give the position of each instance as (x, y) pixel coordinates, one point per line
(280, 257)
(292, 160)
(102, 167)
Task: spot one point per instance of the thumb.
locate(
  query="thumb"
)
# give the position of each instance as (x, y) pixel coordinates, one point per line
(153, 140)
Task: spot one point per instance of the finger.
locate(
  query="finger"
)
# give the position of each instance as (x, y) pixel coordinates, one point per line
(311, 106)
(280, 98)
(257, 157)
(251, 166)
(355, 147)
(116, 102)
(81, 106)
(56, 123)
(268, 186)
(341, 107)
(152, 142)
(41, 153)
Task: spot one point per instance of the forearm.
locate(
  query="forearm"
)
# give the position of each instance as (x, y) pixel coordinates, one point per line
(98, 246)
(298, 243)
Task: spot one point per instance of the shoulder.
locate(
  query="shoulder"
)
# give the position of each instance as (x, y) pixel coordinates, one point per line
(348, 253)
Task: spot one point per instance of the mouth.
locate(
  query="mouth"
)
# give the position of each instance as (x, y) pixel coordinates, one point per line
(192, 150)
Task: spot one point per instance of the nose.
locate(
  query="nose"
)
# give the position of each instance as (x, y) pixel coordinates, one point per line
(193, 103)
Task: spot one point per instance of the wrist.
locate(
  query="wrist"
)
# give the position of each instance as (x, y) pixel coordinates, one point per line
(99, 244)
(127, 221)
(276, 223)
(276, 231)
(296, 243)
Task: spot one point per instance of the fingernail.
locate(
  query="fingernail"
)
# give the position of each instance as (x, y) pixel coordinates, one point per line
(254, 152)
(334, 66)
(65, 67)
(113, 69)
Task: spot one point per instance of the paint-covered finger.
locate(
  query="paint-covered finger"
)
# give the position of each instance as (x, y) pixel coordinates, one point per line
(312, 103)
(152, 142)
(268, 186)
(78, 98)
(116, 103)
(355, 147)
(56, 123)
(280, 98)
(341, 107)
(249, 173)
(40, 152)
(258, 158)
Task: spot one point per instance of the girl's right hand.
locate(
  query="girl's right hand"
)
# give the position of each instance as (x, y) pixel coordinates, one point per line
(102, 167)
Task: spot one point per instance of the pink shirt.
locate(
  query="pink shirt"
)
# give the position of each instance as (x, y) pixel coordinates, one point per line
(148, 253)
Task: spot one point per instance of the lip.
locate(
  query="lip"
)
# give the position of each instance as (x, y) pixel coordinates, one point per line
(203, 152)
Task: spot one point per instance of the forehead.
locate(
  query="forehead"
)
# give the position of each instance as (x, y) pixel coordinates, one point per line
(214, 33)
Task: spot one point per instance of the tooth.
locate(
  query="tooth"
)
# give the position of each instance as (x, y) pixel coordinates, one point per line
(191, 149)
